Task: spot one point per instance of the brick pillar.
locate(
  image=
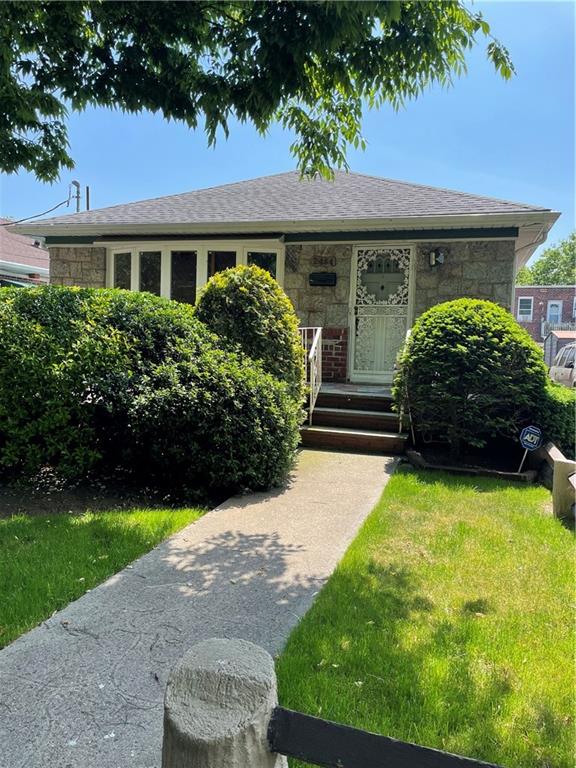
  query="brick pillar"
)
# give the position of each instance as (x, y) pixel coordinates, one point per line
(334, 354)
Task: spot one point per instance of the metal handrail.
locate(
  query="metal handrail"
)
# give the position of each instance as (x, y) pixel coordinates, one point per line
(311, 338)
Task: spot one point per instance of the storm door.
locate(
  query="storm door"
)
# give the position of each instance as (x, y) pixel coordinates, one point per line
(379, 311)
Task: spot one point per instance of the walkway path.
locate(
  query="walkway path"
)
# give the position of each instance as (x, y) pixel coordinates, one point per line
(85, 689)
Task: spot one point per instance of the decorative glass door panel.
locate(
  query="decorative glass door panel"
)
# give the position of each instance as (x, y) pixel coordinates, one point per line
(379, 310)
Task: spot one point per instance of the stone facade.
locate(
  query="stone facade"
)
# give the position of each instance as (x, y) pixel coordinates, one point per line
(477, 269)
(84, 267)
(326, 306)
(474, 269)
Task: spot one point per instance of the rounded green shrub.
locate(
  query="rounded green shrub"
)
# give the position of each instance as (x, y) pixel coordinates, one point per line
(468, 372)
(246, 306)
(557, 415)
(98, 380)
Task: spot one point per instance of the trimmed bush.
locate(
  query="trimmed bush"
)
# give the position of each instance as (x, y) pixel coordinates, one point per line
(247, 307)
(557, 415)
(100, 380)
(469, 372)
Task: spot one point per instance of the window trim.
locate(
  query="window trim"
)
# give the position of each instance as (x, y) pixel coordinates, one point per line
(200, 246)
(524, 318)
(574, 308)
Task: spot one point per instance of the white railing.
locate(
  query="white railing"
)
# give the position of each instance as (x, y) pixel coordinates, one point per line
(547, 326)
(311, 339)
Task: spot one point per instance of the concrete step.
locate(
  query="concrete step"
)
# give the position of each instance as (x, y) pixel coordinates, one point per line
(355, 419)
(354, 401)
(361, 440)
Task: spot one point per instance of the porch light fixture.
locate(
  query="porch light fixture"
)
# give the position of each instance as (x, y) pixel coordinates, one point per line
(437, 256)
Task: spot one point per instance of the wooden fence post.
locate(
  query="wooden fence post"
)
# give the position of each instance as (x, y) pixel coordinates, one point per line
(219, 700)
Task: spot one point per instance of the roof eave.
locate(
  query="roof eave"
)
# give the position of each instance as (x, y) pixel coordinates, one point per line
(520, 218)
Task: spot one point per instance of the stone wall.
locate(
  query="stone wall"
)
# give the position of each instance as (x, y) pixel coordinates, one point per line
(319, 305)
(84, 267)
(326, 306)
(476, 269)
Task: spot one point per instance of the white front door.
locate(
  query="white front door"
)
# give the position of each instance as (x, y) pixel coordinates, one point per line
(380, 291)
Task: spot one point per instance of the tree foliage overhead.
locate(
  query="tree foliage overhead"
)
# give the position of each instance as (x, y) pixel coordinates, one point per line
(556, 266)
(311, 66)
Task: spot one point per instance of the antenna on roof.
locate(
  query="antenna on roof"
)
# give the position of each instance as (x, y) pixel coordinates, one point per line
(77, 195)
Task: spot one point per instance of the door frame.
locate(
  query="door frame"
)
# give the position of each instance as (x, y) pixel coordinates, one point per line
(370, 378)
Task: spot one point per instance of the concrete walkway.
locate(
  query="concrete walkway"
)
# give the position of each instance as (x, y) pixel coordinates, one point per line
(85, 689)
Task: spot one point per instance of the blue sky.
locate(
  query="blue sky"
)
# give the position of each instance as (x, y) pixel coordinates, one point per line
(512, 139)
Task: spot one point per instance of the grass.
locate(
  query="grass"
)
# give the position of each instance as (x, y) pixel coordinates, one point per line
(48, 561)
(448, 623)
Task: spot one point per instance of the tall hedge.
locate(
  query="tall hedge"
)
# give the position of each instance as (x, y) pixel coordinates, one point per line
(101, 380)
(246, 306)
(469, 372)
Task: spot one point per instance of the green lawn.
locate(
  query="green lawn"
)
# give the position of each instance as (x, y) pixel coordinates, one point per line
(47, 561)
(448, 623)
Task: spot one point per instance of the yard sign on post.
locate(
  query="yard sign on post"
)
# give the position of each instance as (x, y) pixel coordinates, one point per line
(530, 440)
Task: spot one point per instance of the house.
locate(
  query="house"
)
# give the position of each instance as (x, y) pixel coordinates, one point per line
(543, 308)
(23, 261)
(359, 256)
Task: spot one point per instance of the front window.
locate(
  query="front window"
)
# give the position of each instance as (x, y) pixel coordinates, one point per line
(183, 276)
(178, 269)
(263, 259)
(220, 260)
(150, 269)
(525, 304)
(122, 270)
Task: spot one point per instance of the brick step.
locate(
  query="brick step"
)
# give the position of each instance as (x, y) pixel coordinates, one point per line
(361, 440)
(355, 419)
(354, 401)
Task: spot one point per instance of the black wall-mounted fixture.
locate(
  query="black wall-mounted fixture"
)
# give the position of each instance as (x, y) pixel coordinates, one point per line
(322, 278)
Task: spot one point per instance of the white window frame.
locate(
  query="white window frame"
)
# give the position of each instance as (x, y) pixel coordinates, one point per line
(550, 302)
(574, 308)
(201, 247)
(523, 318)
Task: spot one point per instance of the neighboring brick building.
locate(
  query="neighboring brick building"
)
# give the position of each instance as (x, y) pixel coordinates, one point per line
(540, 308)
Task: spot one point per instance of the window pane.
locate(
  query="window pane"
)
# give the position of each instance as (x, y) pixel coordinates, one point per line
(183, 286)
(263, 259)
(150, 271)
(219, 260)
(122, 270)
(569, 356)
(524, 309)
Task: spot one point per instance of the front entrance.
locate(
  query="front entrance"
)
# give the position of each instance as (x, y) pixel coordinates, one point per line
(379, 311)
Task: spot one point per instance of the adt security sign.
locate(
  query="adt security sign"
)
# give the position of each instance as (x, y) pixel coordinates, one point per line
(530, 440)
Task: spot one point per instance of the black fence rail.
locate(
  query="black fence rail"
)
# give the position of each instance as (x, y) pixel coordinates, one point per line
(324, 743)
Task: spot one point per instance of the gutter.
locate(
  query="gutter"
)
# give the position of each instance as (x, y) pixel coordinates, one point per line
(544, 218)
(12, 267)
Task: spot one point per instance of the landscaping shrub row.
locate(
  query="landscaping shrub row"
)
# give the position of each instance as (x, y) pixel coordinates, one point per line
(103, 380)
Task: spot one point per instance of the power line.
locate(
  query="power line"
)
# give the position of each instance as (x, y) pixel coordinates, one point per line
(37, 215)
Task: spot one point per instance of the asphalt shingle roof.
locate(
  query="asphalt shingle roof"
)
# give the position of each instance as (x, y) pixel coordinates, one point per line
(286, 197)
